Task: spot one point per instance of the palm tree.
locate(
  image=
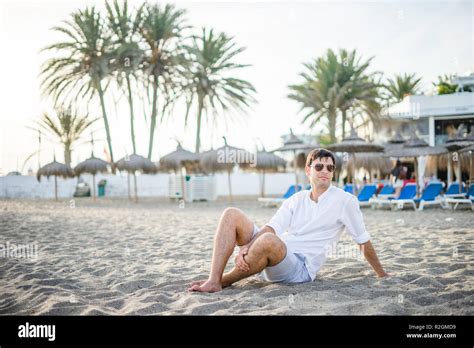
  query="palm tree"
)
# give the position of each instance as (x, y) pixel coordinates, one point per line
(401, 86)
(128, 55)
(320, 100)
(208, 78)
(84, 63)
(336, 83)
(161, 30)
(445, 85)
(359, 89)
(65, 126)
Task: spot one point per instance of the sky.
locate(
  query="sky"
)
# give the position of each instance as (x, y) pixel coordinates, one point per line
(429, 38)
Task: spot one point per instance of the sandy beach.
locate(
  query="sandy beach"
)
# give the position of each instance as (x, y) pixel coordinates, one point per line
(113, 257)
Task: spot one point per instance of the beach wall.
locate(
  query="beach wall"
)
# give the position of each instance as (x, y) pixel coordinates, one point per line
(148, 185)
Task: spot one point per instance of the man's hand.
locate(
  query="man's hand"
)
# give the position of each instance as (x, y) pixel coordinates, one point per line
(371, 256)
(240, 259)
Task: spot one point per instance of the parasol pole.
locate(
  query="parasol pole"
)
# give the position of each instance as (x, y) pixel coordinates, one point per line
(458, 173)
(93, 186)
(128, 186)
(263, 183)
(470, 167)
(296, 174)
(135, 182)
(182, 184)
(417, 178)
(449, 170)
(230, 184)
(56, 187)
(354, 184)
(39, 149)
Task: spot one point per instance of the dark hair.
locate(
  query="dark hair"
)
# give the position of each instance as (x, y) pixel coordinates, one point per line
(319, 153)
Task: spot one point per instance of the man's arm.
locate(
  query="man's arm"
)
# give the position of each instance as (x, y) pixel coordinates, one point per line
(371, 256)
(354, 222)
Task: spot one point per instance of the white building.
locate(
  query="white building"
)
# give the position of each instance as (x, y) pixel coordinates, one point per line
(437, 116)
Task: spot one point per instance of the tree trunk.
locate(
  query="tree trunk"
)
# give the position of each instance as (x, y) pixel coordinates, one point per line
(198, 128)
(332, 127)
(153, 117)
(132, 116)
(67, 154)
(344, 116)
(106, 122)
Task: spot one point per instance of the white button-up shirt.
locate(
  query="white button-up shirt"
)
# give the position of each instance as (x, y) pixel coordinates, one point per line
(311, 229)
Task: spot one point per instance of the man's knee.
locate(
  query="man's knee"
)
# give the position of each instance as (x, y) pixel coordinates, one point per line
(231, 211)
(269, 243)
(232, 214)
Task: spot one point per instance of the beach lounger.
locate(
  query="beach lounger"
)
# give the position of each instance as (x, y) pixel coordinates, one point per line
(431, 196)
(453, 191)
(348, 188)
(408, 192)
(387, 192)
(277, 201)
(468, 198)
(367, 192)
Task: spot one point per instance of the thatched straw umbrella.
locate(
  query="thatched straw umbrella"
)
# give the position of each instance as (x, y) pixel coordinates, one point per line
(132, 164)
(454, 144)
(294, 144)
(470, 151)
(396, 141)
(354, 144)
(178, 159)
(224, 159)
(413, 148)
(55, 169)
(266, 161)
(371, 161)
(92, 165)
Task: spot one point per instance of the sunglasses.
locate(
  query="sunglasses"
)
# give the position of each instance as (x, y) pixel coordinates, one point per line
(319, 166)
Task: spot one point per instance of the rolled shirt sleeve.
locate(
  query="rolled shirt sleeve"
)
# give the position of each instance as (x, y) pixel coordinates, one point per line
(354, 222)
(282, 218)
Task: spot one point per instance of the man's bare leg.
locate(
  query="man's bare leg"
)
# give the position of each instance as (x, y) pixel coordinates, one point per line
(234, 228)
(267, 250)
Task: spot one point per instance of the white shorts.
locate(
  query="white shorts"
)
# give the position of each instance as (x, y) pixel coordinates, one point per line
(291, 269)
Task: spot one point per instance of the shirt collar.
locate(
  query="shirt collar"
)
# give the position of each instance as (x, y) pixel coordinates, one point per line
(322, 197)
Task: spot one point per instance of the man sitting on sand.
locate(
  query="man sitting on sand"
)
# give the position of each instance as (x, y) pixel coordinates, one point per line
(293, 246)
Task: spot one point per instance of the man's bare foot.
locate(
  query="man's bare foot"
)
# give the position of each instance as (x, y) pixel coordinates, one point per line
(197, 282)
(206, 286)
